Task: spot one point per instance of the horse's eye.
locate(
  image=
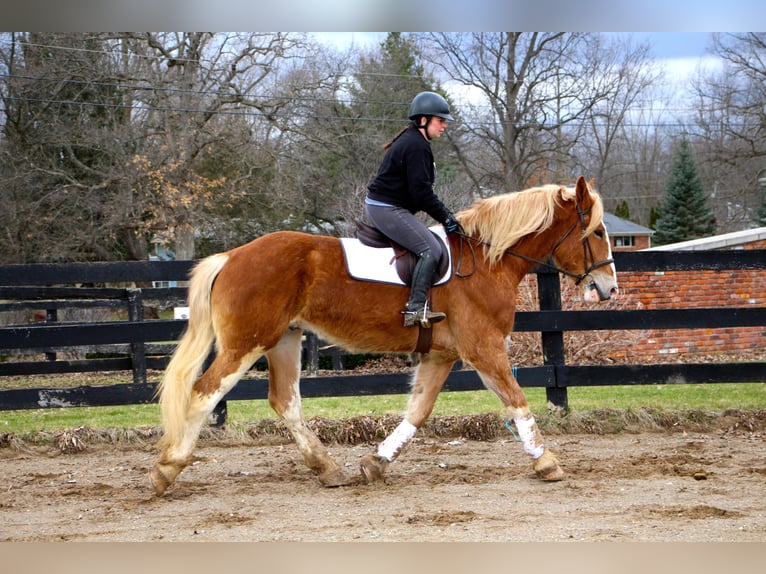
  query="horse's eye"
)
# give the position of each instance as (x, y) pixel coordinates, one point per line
(598, 233)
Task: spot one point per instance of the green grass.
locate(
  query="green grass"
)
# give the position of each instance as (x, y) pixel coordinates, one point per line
(711, 397)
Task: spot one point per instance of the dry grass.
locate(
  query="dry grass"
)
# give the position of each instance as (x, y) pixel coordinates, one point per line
(373, 429)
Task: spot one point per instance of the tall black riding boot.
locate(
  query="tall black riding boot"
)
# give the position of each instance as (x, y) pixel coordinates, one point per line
(417, 311)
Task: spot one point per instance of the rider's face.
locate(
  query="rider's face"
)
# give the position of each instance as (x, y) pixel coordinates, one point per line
(436, 127)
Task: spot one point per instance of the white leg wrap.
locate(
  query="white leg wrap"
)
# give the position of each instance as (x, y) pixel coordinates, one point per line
(394, 442)
(528, 434)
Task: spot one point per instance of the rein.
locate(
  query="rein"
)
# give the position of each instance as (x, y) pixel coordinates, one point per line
(578, 277)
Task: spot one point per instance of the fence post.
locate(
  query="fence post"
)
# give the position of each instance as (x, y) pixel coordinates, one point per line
(549, 293)
(51, 316)
(312, 354)
(137, 349)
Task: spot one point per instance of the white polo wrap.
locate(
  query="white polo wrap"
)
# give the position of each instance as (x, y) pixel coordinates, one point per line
(394, 442)
(526, 428)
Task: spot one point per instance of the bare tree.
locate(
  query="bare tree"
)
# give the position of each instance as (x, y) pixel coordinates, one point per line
(730, 127)
(194, 80)
(114, 140)
(534, 98)
(342, 140)
(61, 117)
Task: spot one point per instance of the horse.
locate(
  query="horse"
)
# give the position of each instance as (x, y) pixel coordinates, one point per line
(258, 298)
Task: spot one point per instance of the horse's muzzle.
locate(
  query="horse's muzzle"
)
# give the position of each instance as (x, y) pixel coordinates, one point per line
(596, 291)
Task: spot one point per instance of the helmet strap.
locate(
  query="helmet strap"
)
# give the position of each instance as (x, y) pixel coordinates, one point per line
(424, 127)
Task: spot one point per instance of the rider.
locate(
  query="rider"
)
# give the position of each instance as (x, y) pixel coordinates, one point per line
(403, 187)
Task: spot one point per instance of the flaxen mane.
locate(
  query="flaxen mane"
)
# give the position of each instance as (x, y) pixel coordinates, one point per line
(500, 221)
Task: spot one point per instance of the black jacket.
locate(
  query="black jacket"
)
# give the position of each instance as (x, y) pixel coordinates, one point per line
(406, 176)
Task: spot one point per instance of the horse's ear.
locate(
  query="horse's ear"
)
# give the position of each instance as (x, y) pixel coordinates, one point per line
(582, 191)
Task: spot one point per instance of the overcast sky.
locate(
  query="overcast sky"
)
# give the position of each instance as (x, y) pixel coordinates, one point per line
(665, 45)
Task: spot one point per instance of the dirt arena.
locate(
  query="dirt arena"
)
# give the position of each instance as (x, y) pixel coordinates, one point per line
(670, 485)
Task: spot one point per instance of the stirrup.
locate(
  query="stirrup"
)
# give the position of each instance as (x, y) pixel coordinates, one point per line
(422, 317)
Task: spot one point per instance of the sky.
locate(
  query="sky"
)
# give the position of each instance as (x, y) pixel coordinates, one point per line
(681, 53)
(666, 45)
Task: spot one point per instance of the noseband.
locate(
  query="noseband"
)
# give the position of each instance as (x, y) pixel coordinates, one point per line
(586, 248)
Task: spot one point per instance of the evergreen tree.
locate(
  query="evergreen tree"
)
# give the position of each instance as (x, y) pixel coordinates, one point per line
(654, 215)
(760, 214)
(622, 210)
(684, 213)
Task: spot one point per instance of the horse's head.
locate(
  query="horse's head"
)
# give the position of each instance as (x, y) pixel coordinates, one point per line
(584, 253)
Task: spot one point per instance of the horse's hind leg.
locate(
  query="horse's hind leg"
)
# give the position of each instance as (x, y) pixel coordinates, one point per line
(285, 399)
(428, 381)
(225, 371)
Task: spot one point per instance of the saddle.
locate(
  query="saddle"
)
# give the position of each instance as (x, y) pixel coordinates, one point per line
(402, 260)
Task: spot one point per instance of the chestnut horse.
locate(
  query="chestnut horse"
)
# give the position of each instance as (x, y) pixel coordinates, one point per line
(256, 300)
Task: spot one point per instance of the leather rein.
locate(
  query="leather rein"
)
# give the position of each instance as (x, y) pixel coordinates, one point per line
(578, 277)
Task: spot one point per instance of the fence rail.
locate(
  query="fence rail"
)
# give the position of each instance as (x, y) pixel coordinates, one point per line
(145, 343)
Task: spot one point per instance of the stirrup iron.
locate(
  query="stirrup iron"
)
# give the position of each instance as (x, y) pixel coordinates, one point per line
(423, 317)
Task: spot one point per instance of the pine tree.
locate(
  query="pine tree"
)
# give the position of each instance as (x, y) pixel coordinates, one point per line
(684, 213)
(760, 214)
(623, 210)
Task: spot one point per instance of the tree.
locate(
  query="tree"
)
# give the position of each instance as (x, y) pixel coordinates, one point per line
(342, 140)
(341, 143)
(534, 97)
(684, 212)
(760, 213)
(730, 126)
(63, 121)
(112, 140)
(196, 80)
(622, 210)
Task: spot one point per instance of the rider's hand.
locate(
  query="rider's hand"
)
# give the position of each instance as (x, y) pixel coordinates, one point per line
(452, 225)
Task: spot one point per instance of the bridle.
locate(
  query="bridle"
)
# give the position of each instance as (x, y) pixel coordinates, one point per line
(577, 277)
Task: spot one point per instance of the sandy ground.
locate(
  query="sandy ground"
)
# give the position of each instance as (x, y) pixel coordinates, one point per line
(661, 486)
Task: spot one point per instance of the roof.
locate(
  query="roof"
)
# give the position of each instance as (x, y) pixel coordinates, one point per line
(725, 240)
(617, 226)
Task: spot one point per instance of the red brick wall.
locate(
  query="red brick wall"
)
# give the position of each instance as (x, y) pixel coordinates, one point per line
(686, 289)
(680, 289)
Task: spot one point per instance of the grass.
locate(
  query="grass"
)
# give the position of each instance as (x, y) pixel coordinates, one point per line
(666, 398)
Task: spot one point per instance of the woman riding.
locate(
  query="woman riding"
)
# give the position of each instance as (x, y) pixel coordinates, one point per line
(403, 187)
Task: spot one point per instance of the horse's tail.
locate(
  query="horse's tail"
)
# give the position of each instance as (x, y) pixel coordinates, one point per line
(189, 356)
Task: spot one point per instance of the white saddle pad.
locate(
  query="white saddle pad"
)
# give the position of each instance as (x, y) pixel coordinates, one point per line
(378, 264)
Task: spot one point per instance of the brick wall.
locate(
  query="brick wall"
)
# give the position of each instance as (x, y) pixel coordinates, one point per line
(686, 289)
(678, 289)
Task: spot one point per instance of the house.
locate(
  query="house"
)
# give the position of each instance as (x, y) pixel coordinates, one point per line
(626, 235)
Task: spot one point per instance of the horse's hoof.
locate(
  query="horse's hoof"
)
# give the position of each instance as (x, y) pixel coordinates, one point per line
(333, 478)
(547, 467)
(159, 481)
(372, 468)
(553, 475)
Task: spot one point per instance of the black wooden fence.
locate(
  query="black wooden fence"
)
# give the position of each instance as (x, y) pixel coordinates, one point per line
(145, 344)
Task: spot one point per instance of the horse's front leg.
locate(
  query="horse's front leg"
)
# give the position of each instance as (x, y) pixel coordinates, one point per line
(429, 378)
(497, 375)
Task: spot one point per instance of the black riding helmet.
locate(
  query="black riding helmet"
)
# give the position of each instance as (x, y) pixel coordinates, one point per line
(429, 104)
